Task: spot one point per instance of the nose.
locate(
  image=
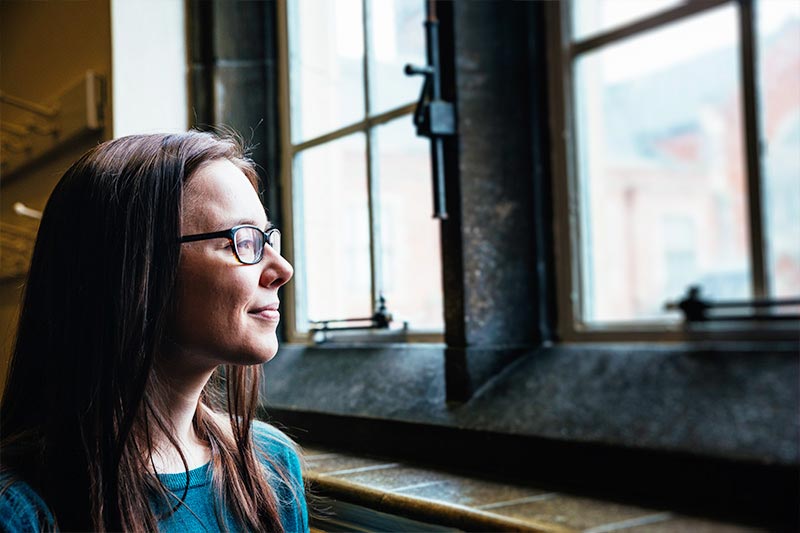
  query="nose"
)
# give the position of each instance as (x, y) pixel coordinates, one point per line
(276, 270)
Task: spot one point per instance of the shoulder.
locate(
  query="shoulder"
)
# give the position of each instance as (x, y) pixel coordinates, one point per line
(282, 461)
(279, 449)
(271, 439)
(21, 508)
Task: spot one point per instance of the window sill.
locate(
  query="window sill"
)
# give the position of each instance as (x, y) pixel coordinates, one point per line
(376, 337)
(724, 332)
(736, 401)
(702, 423)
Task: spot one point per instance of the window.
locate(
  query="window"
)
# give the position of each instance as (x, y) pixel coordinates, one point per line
(356, 178)
(680, 159)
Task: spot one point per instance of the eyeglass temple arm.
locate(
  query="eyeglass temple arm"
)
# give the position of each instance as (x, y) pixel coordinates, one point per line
(205, 236)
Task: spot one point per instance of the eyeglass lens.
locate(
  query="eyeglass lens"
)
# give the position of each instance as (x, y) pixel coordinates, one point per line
(250, 243)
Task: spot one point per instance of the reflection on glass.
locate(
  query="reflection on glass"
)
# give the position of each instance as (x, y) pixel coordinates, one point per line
(661, 167)
(331, 218)
(778, 48)
(326, 53)
(411, 258)
(398, 38)
(595, 16)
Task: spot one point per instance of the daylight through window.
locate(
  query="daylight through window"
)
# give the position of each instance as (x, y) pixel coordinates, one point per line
(358, 176)
(662, 174)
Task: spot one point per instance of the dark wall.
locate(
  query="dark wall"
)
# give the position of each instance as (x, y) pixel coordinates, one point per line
(45, 50)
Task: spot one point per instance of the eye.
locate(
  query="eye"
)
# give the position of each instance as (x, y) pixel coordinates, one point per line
(246, 244)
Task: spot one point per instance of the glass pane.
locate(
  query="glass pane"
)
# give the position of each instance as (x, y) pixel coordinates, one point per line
(398, 37)
(326, 66)
(411, 256)
(779, 79)
(661, 166)
(595, 16)
(331, 224)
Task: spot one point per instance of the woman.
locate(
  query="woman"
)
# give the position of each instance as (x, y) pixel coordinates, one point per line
(151, 301)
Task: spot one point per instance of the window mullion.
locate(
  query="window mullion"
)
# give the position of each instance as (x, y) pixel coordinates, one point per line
(572, 311)
(362, 125)
(372, 174)
(747, 28)
(374, 218)
(647, 24)
(292, 210)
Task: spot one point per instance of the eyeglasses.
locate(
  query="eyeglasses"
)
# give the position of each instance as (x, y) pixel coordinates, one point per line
(248, 241)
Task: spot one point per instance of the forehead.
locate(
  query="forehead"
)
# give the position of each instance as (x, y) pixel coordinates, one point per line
(219, 196)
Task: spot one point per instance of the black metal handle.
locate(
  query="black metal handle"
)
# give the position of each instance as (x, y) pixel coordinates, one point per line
(434, 118)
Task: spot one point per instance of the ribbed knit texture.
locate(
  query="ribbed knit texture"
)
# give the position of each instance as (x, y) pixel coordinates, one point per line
(21, 509)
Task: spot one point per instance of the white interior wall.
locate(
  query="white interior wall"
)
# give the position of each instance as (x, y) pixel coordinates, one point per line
(149, 88)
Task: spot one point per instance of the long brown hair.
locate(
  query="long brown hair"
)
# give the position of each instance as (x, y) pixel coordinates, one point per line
(82, 401)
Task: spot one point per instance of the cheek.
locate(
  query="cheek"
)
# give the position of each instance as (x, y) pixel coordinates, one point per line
(211, 314)
(197, 304)
(206, 308)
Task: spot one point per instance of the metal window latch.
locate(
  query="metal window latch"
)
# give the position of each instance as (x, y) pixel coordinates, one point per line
(697, 309)
(434, 118)
(380, 319)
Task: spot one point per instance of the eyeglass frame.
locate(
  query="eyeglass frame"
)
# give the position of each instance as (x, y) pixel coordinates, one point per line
(229, 234)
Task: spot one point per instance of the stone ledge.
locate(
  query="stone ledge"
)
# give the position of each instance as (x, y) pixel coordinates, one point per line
(735, 402)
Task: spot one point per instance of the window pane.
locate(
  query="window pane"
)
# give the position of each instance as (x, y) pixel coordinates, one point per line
(412, 272)
(595, 16)
(779, 78)
(331, 223)
(661, 165)
(398, 37)
(326, 57)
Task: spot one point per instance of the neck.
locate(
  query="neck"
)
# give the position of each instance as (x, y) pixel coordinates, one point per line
(182, 385)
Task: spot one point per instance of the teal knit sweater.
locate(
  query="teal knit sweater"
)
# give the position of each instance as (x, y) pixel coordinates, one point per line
(21, 508)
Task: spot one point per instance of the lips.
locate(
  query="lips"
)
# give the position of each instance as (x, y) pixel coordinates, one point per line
(267, 312)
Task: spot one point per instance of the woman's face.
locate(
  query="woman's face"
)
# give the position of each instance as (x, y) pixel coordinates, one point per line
(226, 310)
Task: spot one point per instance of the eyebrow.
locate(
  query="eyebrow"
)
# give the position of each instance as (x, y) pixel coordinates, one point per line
(249, 222)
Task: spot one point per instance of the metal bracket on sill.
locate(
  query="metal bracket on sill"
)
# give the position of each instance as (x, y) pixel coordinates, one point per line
(696, 309)
(380, 320)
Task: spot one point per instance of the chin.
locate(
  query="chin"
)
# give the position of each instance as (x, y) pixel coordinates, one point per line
(266, 357)
(250, 359)
(261, 354)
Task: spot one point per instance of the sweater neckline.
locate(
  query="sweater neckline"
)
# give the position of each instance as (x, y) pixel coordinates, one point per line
(197, 477)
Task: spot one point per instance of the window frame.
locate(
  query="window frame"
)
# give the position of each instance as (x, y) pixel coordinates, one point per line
(562, 53)
(290, 199)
